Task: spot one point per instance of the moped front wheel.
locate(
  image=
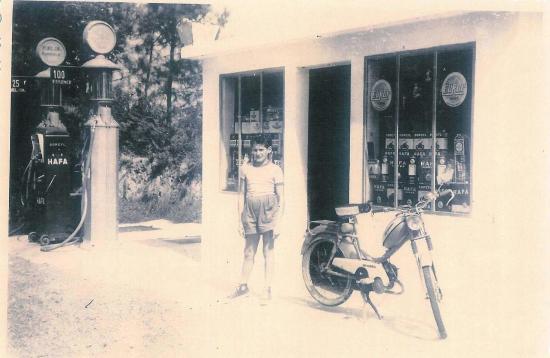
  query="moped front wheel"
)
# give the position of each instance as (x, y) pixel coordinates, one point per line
(326, 288)
(429, 281)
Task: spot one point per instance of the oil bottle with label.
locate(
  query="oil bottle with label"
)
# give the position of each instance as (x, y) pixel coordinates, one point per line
(460, 159)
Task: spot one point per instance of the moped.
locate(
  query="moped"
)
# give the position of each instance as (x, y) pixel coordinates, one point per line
(334, 264)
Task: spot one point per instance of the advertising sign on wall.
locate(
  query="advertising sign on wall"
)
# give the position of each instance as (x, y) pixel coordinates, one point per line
(381, 95)
(454, 89)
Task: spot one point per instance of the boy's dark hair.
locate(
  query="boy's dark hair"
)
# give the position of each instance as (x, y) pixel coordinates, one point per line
(261, 140)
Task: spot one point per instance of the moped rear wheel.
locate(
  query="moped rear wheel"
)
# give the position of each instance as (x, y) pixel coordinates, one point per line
(428, 280)
(326, 288)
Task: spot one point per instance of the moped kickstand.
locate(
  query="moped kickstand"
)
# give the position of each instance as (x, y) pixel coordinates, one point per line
(366, 298)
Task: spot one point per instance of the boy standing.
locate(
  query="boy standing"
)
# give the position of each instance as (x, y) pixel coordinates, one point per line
(261, 183)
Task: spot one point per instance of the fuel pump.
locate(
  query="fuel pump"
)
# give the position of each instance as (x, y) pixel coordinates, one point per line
(48, 174)
(100, 152)
(101, 223)
(51, 179)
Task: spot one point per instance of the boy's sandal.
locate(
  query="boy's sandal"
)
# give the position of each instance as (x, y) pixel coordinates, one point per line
(241, 290)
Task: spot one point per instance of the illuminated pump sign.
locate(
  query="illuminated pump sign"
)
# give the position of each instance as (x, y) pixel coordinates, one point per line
(454, 89)
(381, 95)
(100, 36)
(51, 51)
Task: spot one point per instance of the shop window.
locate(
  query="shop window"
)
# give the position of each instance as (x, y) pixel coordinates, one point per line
(418, 126)
(252, 104)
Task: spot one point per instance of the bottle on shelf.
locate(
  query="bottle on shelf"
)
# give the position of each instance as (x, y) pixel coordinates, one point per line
(460, 159)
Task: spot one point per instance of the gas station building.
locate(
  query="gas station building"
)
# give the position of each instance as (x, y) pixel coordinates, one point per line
(380, 113)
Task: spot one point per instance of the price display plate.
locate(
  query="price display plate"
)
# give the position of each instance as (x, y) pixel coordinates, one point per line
(64, 75)
(21, 84)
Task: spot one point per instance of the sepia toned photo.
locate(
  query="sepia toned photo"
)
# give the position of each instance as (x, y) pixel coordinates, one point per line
(277, 179)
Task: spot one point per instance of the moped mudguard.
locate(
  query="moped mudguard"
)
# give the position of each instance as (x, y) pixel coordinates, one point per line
(324, 227)
(329, 231)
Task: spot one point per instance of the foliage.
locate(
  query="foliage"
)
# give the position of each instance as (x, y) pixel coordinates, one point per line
(158, 97)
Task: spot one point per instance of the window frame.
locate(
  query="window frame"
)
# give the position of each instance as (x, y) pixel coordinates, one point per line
(223, 185)
(435, 51)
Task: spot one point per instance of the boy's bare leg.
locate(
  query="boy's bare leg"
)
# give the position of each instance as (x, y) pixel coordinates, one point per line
(250, 248)
(268, 245)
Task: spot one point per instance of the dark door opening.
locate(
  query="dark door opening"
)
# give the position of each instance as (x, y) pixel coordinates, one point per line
(328, 140)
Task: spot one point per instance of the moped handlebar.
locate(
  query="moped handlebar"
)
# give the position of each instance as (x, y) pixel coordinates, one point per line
(434, 195)
(429, 197)
(349, 210)
(438, 194)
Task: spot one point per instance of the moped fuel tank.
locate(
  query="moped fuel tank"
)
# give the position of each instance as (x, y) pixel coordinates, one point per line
(396, 232)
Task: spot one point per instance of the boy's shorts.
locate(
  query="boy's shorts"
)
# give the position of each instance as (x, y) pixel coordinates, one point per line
(259, 214)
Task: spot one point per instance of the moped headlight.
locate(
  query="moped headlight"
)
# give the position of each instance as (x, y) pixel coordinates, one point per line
(414, 222)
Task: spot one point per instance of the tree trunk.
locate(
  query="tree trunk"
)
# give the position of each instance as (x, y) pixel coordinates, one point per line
(149, 65)
(169, 84)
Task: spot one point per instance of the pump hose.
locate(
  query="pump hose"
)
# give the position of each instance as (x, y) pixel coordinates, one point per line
(72, 238)
(24, 202)
(16, 230)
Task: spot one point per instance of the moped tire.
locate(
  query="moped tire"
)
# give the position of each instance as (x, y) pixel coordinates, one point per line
(327, 289)
(428, 280)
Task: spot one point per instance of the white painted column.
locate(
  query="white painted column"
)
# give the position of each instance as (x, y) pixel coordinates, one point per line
(288, 265)
(212, 241)
(356, 130)
(221, 246)
(295, 141)
(102, 183)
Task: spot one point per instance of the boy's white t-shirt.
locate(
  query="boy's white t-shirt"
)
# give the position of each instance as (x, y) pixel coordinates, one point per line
(261, 180)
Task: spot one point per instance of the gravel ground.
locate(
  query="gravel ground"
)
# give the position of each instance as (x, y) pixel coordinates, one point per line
(146, 295)
(62, 304)
(49, 318)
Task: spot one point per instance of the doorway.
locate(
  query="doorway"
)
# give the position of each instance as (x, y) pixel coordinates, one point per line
(328, 140)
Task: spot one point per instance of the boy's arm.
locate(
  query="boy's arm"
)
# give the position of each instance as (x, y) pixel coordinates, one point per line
(242, 194)
(240, 203)
(279, 192)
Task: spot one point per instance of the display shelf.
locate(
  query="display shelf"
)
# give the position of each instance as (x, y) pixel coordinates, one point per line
(418, 134)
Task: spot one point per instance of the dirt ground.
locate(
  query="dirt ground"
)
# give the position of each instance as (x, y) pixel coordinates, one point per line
(147, 295)
(61, 305)
(48, 318)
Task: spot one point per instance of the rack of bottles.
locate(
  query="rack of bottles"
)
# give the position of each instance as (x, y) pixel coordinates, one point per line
(418, 129)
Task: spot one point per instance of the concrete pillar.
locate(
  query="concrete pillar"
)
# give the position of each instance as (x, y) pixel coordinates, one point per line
(356, 182)
(102, 181)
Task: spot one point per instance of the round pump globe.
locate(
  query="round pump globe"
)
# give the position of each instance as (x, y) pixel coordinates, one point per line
(51, 51)
(100, 37)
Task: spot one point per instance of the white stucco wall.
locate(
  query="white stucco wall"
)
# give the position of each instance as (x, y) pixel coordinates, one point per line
(509, 164)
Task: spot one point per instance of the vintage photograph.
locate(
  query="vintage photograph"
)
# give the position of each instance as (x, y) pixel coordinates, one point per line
(278, 179)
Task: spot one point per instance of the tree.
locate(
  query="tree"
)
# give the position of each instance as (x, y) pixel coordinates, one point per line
(158, 98)
(165, 20)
